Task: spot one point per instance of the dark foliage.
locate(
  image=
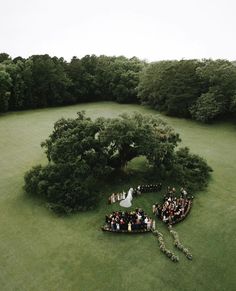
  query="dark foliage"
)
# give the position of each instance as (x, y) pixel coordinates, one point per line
(5, 84)
(203, 90)
(62, 186)
(43, 81)
(190, 170)
(83, 153)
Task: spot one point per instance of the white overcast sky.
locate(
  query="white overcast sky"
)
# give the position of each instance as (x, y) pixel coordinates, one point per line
(148, 29)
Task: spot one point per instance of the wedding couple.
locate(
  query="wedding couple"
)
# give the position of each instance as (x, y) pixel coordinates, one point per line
(127, 201)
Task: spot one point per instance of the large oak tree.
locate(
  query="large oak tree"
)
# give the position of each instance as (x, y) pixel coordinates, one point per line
(83, 152)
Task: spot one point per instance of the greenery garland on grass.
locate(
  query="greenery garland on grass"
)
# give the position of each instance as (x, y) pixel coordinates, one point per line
(178, 244)
(163, 248)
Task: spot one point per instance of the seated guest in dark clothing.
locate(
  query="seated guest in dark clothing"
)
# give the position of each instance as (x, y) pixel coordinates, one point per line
(119, 221)
(173, 208)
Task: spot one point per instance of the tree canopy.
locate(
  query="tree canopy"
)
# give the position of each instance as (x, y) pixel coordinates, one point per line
(83, 152)
(203, 90)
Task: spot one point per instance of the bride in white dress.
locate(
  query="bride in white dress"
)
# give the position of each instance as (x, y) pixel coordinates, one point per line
(127, 201)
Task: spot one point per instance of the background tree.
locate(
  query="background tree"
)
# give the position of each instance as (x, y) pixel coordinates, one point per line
(208, 107)
(125, 78)
(232, 106)
(4, 57)
(49, 81)
(203, 90)
(5, 84)
(200, 89)
(170, 86)
(21, 86)
(104, 78)
(219, 79)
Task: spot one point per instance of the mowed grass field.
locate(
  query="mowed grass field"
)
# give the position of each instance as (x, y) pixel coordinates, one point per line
(40, 251)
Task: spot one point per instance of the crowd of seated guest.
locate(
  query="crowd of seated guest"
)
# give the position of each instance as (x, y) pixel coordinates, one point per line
(173, 208)
(129, 221)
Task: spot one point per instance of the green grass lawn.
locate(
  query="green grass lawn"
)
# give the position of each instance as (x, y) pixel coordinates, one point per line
(40, 251)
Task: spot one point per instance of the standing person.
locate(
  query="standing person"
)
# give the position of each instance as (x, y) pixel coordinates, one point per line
(123, 195)
(153, 224)
(185, 193)
(116, 197)
(149, 224)
(139, 190)
(113, 224)
(119, 196)
(113, 200)
(158, 210)
(154, 208)
(129, 226)
(117, 226)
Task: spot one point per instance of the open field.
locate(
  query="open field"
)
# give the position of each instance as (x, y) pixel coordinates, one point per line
(39, 251)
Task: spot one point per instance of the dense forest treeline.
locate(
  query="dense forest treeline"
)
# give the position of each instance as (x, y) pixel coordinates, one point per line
(42, 81)
(200, 89)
